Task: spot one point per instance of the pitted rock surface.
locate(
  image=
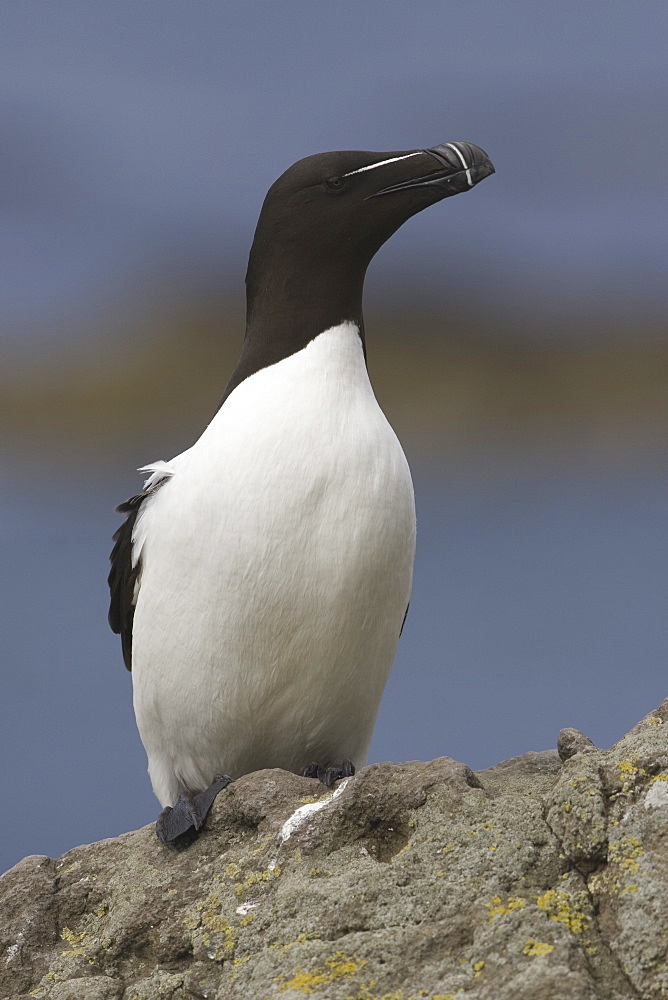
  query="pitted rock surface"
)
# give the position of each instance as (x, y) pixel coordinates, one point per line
(532, 880)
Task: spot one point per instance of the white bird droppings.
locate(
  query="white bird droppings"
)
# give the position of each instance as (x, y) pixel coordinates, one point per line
(13, 949)
(245, 908)
(300, 815)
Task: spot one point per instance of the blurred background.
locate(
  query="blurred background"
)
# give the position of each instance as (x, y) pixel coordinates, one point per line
(517, 342)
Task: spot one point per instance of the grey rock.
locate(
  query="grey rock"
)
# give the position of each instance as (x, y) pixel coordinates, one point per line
(572, 741)
(530, 880)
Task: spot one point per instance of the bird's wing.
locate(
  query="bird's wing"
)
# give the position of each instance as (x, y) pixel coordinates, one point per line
(125, 573)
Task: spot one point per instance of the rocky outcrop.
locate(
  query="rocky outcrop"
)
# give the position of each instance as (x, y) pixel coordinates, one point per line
(543, 878)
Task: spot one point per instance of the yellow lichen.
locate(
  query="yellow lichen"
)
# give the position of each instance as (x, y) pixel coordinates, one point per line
(248, 919)
(497, 908)
(622, 863)
(210, 929)
(236, 965)
(533, 947)
(625, 853)
(630, 773)
(298, 942)
(337, 966)
(477, 969)
(47, 981)
(559, 906)
(265, 840)
(74, 941)
(256, 878)
(302, 939)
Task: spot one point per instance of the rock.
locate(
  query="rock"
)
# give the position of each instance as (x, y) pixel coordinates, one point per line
(572, 741)
(533, 879)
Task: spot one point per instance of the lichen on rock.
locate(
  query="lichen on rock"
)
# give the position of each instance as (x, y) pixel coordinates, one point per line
(545, 876)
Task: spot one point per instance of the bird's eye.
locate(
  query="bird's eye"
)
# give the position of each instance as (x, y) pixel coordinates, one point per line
(335, 183)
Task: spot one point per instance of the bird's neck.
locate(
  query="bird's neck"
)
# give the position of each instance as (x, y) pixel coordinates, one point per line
(287, 306)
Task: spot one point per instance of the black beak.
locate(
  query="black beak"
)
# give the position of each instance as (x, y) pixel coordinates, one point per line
(462, 164)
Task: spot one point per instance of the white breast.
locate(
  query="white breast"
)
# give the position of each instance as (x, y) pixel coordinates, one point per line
(276, 570)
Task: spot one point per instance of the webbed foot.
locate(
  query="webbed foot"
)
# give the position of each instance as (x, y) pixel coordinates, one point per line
(179, 825)
(328, 775)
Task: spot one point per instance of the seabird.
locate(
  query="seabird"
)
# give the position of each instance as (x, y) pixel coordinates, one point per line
(261, 578)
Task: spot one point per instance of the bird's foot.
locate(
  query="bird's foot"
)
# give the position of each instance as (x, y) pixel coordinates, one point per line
(328, 775)
(179, 825)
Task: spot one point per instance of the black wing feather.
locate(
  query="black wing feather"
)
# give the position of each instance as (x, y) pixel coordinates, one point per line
(123, 575)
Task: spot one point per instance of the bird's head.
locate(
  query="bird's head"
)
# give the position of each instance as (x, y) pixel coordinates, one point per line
(337, 209)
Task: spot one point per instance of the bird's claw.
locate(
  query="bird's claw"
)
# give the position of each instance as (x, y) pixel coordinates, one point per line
(328, 775)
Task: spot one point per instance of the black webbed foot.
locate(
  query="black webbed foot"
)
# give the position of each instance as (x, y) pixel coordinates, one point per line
(179, 825)
(328, 775)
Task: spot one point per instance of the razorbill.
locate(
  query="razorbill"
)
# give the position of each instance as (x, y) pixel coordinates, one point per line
(261, 578)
